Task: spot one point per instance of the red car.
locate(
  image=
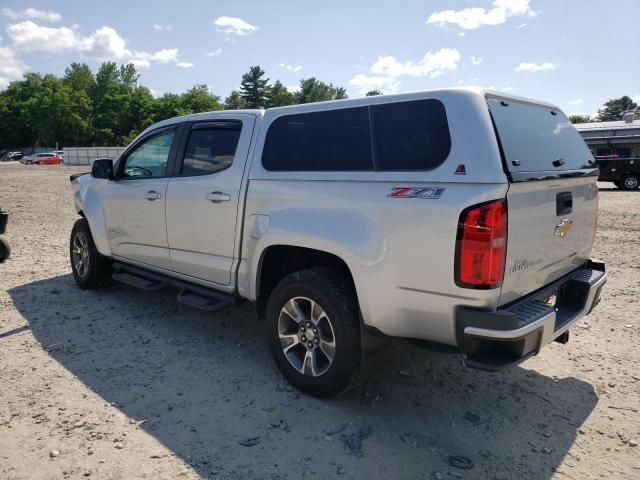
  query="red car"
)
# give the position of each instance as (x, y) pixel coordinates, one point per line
(47, 159)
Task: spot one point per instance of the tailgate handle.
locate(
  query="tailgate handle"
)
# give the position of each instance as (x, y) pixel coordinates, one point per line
(564, 203)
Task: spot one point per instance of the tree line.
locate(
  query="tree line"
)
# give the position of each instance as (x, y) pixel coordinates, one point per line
(111, 107)
(610, 111)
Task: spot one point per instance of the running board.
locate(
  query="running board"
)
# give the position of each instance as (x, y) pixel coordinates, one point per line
(138, 281)
(205, 299)
(189, 294)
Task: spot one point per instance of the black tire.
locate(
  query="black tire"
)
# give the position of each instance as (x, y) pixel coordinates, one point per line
(95, 269)
(630, 181)
(5, 249)
(334, 293)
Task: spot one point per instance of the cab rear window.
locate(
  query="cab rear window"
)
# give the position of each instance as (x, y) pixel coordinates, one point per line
(538, 138)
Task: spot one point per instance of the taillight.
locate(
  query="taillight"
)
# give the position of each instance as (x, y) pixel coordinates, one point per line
(481, 245)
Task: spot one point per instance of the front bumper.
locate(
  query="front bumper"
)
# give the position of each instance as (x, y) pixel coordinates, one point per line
(504, 338)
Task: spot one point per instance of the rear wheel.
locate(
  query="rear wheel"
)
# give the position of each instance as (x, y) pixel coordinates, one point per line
(630, 181)
(90, 269)
(314, 331)
(5, 249)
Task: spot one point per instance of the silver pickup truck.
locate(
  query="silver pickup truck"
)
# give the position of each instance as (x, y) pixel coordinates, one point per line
(462, 217)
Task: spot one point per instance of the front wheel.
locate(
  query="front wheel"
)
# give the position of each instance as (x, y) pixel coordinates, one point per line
(314, 331)
(90, 269)
(5, 249)
(630, 181)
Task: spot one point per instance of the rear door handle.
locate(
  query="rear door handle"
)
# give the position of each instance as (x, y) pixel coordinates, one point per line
(152, 195)
(217, 197)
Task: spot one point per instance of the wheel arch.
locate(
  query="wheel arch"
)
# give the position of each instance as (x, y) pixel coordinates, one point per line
(279, 260)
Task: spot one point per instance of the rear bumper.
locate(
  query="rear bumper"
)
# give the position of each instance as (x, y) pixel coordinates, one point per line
(506, 337)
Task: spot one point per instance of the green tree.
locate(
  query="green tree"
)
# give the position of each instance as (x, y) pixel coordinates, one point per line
(254, 88)
(199, 99)
(79, 77)
(373, 93)
(614, 108)
(580, 118)
(279, 96)
(234, 101)
(313, 90)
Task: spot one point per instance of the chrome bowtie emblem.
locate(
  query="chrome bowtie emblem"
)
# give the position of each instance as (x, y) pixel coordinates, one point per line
(562, 229)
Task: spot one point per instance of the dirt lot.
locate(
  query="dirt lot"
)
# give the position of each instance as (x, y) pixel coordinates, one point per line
(119, 384)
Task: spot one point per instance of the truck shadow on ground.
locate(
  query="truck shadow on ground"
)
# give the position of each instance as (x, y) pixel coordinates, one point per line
(207, 389)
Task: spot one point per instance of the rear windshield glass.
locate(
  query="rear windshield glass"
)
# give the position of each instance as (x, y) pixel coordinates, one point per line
(538, 138)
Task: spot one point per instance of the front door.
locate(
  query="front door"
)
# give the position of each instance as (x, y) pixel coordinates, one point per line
(203, 196)
(134, 203)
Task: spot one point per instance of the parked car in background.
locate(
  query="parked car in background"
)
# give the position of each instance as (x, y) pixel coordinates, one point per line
(623, 172)
(60, 153)
(11, 156)
(43, 159)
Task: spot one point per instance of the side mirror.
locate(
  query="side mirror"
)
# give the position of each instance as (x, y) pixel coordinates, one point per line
(102, 168)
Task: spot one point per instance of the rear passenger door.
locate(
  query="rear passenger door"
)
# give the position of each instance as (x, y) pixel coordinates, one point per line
(203, 197)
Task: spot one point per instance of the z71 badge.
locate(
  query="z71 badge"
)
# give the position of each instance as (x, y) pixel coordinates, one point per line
(426, 193)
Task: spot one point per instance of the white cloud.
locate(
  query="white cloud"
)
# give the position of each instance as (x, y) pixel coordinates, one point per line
(636, 98)
(184, 64)
(535, 67)
(234, 26)
(214, 53)
(577, 101)
(476, 60)
(32, 13)
(11, 67)
(166, 55)
(476, 17)
(291, 68)
(31, 37)
(365, 83)
(432, 64)
(105, 44)
(161, 28)
(522, 25)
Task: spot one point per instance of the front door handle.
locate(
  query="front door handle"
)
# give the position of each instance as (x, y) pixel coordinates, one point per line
(152, 195)
(217, 197)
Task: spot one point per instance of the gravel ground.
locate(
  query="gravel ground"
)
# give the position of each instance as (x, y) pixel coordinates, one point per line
(122, 384)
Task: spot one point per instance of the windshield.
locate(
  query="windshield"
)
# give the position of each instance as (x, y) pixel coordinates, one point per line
(538, 138)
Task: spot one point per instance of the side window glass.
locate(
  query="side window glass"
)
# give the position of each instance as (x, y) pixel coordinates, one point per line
(320, 141)
(149, 159)
(210, 150)
(411, 135)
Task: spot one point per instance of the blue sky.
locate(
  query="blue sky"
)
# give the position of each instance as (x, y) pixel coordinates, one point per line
(575, 53)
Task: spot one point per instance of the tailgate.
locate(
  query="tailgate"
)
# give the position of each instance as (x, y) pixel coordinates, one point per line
(552, 198)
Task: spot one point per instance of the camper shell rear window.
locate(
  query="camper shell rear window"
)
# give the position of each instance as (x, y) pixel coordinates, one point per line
(537, 138)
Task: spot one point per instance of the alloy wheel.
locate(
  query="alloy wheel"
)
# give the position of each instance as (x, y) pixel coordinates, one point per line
(306, 336)
(81, 254)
